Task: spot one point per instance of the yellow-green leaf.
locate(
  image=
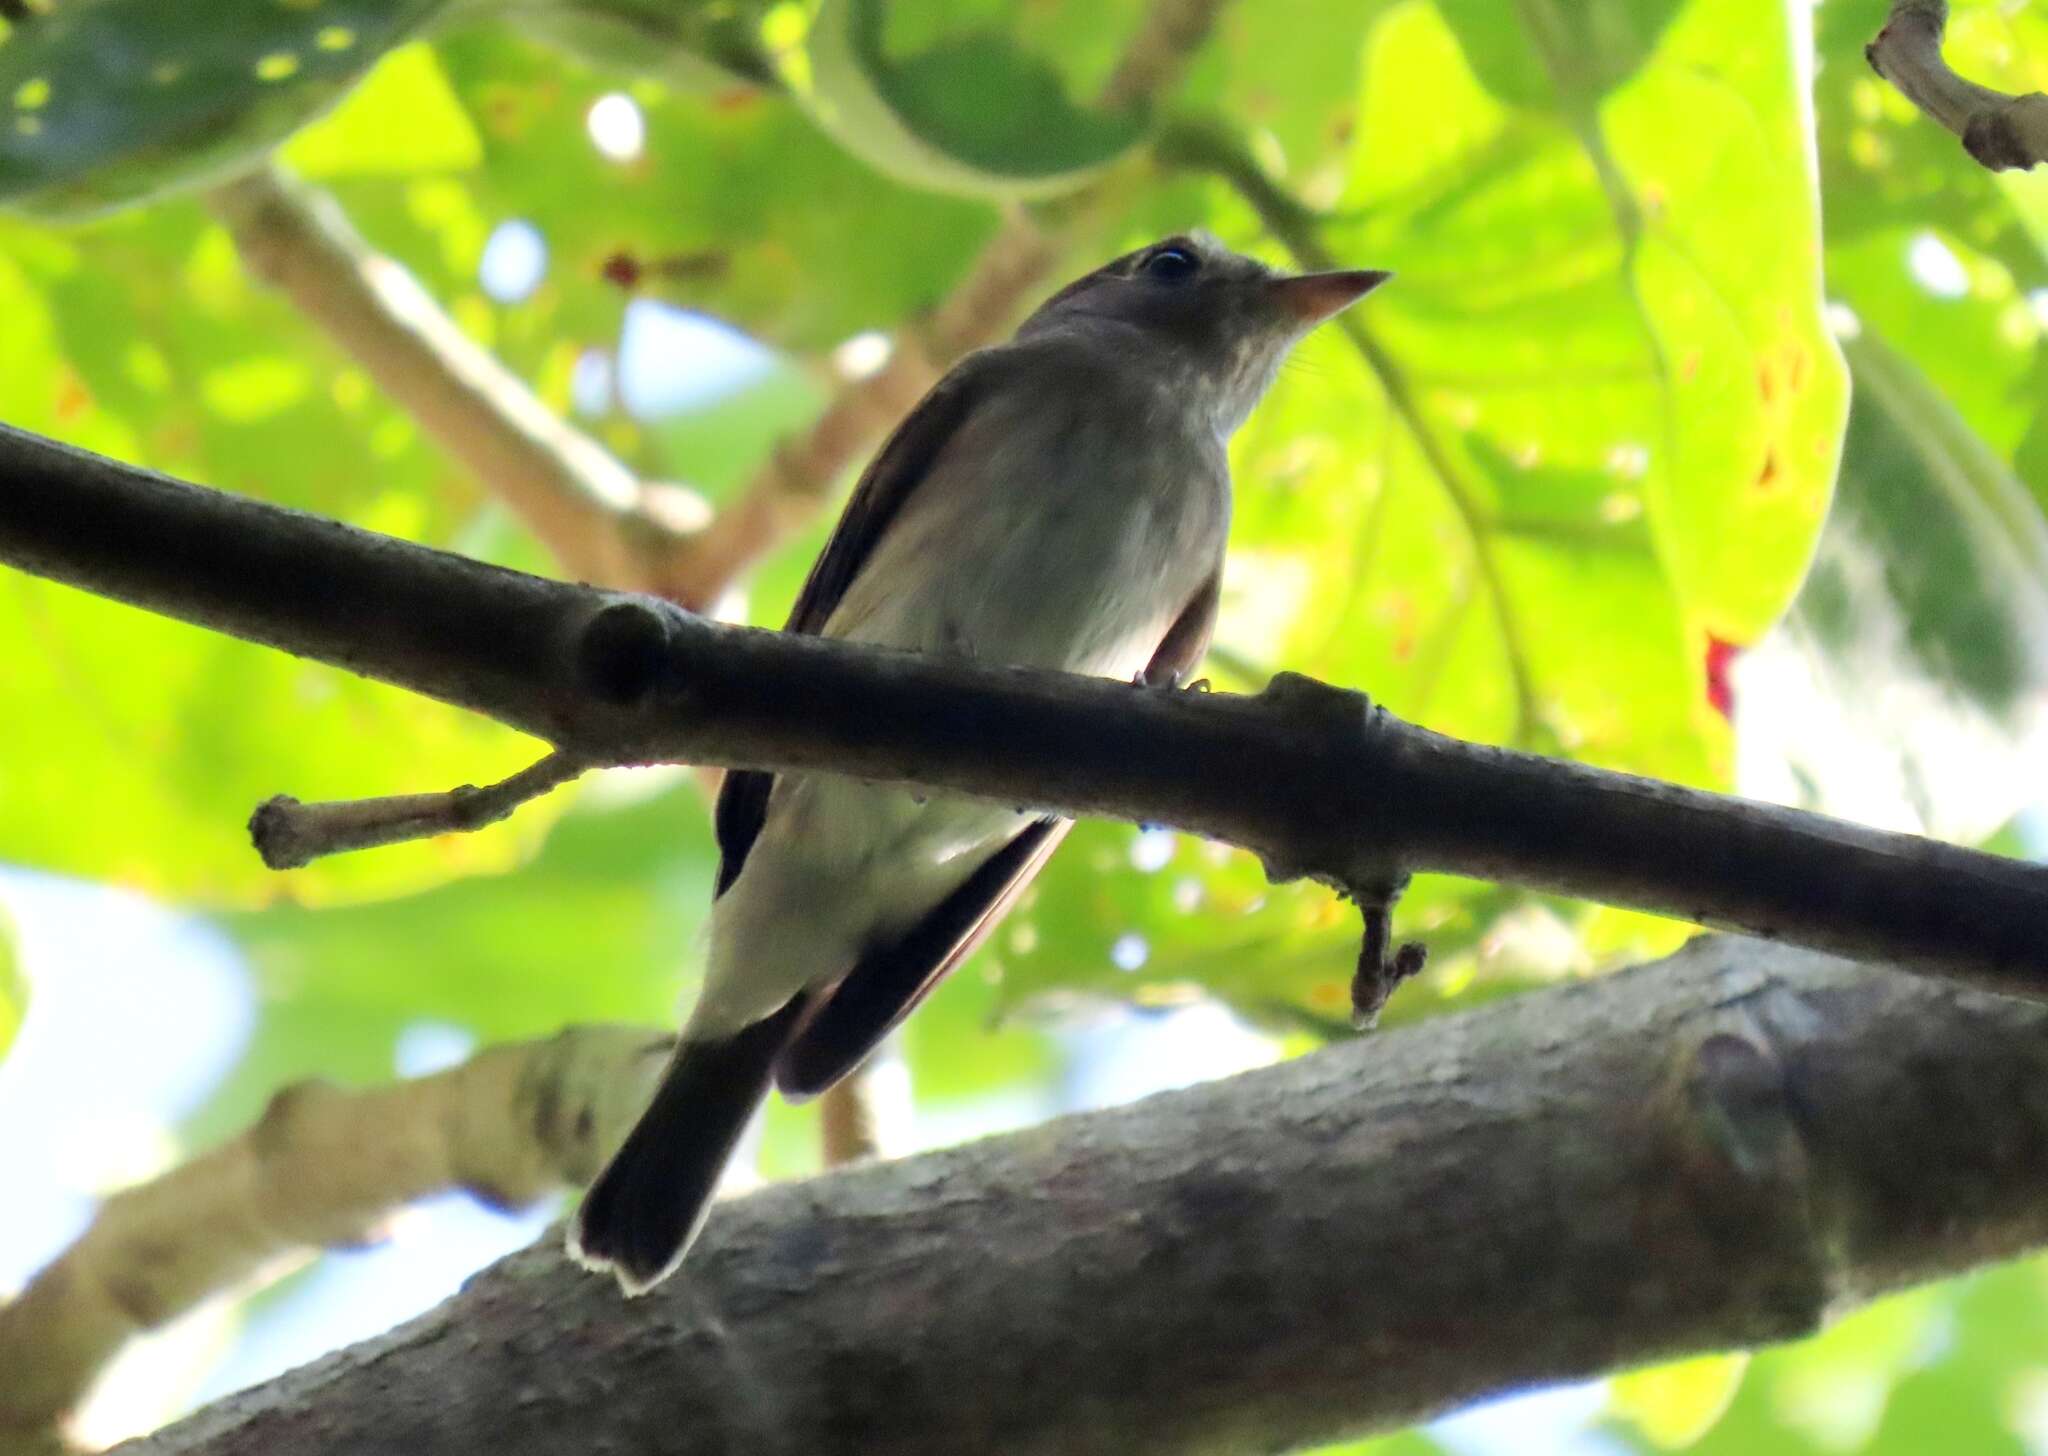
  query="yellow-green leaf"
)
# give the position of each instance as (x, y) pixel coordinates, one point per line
(1674, 1405)
(403, 118)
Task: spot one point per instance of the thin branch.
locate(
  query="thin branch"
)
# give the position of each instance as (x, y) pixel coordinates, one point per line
(323, 1168)
(288, 834)
(1721, 1151)
(867, 1115)
(1998, 130)
(1312, 778)
(595, 517)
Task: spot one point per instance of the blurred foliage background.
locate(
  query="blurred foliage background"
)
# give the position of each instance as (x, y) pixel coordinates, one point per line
(1704, 434)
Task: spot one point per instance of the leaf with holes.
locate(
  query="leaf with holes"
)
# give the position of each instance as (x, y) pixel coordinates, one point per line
(117, 101)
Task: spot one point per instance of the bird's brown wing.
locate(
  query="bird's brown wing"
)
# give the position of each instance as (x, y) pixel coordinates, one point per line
(904, 460)
(888, 982)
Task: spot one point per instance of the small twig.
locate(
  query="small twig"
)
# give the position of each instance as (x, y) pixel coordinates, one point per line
(867, 1115)
(1378, 974)
(288, 833)
(1998, 130)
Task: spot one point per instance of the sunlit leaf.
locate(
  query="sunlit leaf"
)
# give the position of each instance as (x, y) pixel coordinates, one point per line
(706, 45)
(1674, 1405)
(403, 118)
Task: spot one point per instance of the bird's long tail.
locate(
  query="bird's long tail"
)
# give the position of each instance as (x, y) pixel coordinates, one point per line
(645, 1208)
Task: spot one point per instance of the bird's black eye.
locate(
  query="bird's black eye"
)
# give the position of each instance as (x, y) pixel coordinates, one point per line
(1171, 265)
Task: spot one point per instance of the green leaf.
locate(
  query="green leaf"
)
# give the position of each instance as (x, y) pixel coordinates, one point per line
(970, 112)
(365, 134)
(740, 181)
(1722, 216)
(1740, 424)
(1596, 45)
(700, 45)
(1288, 73)
(13, 988)
(1674, 1405)
(110, 103)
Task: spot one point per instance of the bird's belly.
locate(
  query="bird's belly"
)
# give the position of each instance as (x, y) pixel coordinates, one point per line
(1077, 555)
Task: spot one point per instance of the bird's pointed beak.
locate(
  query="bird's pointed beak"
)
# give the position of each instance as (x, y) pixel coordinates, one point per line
(1314, 297)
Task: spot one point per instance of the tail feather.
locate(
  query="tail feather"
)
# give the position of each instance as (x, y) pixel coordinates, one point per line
(642, 1213)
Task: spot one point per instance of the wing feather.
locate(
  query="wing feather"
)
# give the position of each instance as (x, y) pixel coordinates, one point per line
(878, 497)
(848, 1022)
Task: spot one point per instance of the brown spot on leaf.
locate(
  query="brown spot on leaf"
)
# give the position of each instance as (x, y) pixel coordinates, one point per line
(1720, 691)
(72, 399)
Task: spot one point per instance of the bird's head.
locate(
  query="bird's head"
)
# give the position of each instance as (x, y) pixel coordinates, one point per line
(1216, 323)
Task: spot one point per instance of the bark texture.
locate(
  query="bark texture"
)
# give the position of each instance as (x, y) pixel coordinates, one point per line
(1998, 130)
(1717, 1151)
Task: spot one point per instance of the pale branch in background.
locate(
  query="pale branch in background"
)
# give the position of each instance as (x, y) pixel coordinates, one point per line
(592, 513)
(798, 480)
(1721, 1151)
(288, 833)
(874, 1119)
(1313, 779)
(1160, 51)
(324, 1167)
(1997, 129)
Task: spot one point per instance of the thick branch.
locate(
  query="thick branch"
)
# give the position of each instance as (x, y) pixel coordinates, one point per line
(323, 1167)
(1717, 1152)
(1309, 777)
(1998, 130)
(591, 512)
